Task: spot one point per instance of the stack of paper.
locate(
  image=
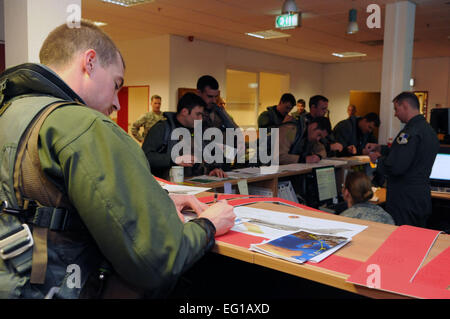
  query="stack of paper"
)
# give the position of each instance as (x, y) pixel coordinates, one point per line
(182, 189)
(301, 246)
(328, 162)
(287, 192)
(265, 170)
(332, 235)
(254, 171)
(204, 179)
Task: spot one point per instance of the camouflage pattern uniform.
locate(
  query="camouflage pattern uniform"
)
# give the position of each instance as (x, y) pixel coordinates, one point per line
(147, 120)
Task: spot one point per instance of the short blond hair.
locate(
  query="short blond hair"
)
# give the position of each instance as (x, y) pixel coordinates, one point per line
(63, 42)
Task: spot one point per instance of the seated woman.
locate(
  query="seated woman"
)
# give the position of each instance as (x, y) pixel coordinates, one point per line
(357, 192)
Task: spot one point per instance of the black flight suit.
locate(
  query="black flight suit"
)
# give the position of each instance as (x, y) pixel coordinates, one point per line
(326, 141)
(158, 145)
(216, 117)
(407, 166)
(270, 118)
(347, 132)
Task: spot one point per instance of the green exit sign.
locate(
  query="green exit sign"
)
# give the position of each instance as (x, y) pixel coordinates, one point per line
(287, 21)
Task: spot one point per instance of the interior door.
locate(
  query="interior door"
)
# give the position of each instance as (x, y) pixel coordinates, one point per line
(134, 101)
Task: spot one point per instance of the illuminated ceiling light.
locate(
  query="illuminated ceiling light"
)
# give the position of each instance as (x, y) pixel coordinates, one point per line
(255, 35)
(128, 3)
(268, 34)
(348, 54)
(352, 24)
(99, 23)
(96, 23)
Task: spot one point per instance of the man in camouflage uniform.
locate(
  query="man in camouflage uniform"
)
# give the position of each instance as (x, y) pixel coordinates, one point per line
(147, 120)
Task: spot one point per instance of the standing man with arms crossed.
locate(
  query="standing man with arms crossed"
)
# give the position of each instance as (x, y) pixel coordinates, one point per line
(407, 164)
(147, 120)
(111, 218)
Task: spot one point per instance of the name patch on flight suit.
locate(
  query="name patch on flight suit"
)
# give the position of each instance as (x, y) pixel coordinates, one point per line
(402, 138)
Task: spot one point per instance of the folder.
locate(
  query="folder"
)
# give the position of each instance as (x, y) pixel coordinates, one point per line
(393, 266)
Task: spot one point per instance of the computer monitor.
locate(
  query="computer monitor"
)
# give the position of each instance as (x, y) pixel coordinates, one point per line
(440, 173)
(440, 121)
(325, 180)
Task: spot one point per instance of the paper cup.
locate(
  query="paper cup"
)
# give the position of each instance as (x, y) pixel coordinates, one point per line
(177, 174)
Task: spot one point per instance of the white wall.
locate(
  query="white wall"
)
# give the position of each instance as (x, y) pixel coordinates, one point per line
(16, 43)
(430, 74)
(147, 63)
(190, 60)
(305, 76)
(27, 24)
(341, 78)
(169, 62)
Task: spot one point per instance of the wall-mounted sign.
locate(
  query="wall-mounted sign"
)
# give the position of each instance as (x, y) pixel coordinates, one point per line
(287, 21)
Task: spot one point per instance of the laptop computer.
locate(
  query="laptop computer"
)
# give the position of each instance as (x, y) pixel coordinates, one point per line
(440, 173)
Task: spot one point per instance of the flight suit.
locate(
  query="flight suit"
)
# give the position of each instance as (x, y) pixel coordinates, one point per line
(326, 141)
(348, 133)
(131, 221)
(407, 166)
(270, 118)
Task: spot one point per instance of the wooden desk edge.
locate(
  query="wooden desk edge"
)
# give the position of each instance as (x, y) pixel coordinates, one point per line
(306, 271)
(319, 274)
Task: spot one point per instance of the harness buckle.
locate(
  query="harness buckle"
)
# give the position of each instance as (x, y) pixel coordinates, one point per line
(17, 243)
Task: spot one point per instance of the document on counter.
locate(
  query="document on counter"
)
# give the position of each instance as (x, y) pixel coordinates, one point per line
(300, 246)
(204, 179)
(329, 162)
(272, 225)
(239, 174)
(398, 262)
(252, 171)
(182, 189)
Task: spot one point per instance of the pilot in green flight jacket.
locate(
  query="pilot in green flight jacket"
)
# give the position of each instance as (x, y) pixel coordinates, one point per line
(117, 213)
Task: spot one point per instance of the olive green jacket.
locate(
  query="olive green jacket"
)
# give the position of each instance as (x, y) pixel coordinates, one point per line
(131, 218)
(106, 176)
